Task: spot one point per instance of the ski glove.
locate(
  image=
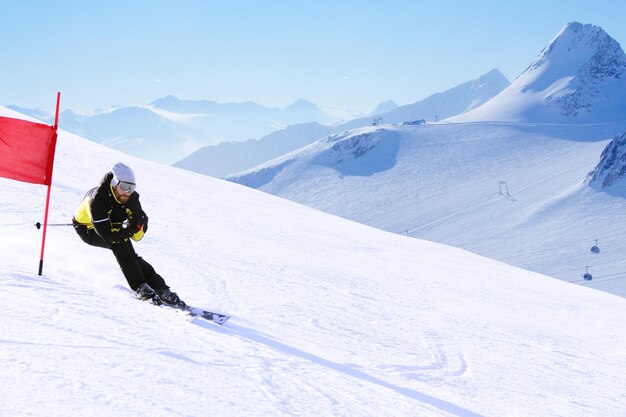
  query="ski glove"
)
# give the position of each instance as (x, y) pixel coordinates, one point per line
(142, 222)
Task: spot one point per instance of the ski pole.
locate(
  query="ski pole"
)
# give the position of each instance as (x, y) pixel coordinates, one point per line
(38, 225)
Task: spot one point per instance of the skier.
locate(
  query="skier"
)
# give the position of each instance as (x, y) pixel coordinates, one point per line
(109, 216)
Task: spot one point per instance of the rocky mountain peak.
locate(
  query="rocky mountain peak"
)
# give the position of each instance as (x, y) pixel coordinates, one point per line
(612, 165)
(575, 68)
(580, 77)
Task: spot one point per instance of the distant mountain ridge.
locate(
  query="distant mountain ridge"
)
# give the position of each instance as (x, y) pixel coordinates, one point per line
(136, 131)
(580, 77)
(297, 112)
(168, 129)
(384, 107)
(35, 113)
(223, 159)
(228, 157)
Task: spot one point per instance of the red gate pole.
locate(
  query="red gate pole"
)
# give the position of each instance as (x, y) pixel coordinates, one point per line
(51, 150)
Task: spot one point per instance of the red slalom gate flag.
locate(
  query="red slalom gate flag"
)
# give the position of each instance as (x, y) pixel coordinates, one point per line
(25, 150)
(27, 154)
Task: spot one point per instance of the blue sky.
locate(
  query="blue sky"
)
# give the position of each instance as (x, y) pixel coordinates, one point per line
(343, 54)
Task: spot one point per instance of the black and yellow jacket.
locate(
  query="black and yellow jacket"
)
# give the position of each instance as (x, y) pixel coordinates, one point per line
(102, 211)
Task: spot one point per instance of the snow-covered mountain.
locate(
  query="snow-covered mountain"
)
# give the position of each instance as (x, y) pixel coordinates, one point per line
(227, 158)
(457, 100)
(169, 129)
(580, 77)
(330, 317)
(511, 191)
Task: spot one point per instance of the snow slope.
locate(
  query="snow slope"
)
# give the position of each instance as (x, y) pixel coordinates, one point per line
(330, 317)
(442, 182)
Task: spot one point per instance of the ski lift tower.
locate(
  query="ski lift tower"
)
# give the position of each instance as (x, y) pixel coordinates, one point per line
(504, 189)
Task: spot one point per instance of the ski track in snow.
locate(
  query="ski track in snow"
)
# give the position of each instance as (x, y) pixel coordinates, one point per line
(72, 342)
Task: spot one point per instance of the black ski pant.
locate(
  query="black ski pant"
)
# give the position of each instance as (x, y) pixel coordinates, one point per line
(134, 267)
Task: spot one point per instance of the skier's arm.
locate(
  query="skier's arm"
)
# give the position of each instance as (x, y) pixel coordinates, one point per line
(138, 221)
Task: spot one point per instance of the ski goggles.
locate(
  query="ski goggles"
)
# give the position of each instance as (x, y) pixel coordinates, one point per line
(127, 187)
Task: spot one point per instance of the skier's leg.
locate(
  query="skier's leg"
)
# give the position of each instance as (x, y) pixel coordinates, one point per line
(152, 278)
(158, 283)
(127, 259)
(138, 271)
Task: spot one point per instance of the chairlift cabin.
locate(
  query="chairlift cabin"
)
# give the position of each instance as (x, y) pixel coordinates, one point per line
(587, 276)
(595, 248)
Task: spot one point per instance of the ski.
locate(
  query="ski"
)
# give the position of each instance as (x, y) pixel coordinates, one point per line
(198, 312)
(191, 311)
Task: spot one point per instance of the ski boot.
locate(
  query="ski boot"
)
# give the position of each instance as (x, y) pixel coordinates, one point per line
(169, 297)
(146, 293)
